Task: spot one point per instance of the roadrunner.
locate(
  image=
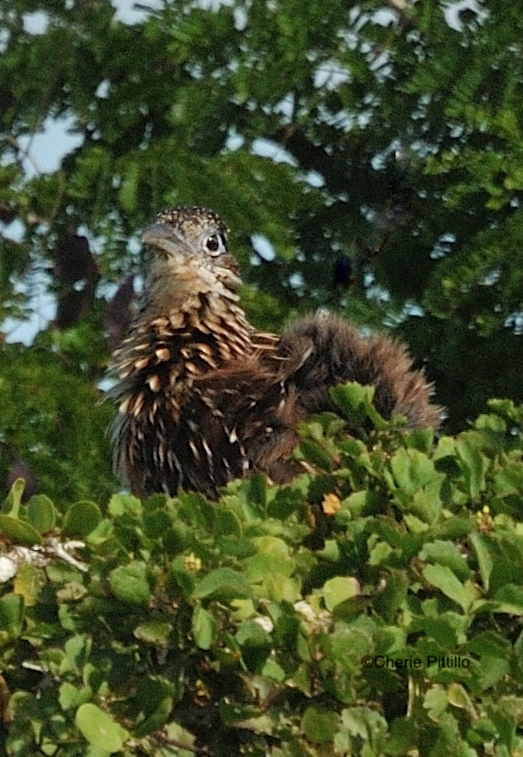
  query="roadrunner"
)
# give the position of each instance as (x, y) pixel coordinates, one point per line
(204, 397)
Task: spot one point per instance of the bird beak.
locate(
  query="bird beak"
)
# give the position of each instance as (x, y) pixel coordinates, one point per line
(163, 237)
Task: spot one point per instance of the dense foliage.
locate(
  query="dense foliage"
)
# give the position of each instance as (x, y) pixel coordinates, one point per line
(370, 608)
(368, 158)
(375, 146)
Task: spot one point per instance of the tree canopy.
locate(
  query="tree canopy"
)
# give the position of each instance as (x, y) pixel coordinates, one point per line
(367, 157)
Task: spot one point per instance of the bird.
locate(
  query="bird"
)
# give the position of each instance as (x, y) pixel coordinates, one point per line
(204, 397)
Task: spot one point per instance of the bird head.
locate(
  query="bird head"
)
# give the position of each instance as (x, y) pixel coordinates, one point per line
(189, 259)
(194, 238)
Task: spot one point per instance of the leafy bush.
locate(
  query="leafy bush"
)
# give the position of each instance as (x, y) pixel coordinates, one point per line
(372, 607)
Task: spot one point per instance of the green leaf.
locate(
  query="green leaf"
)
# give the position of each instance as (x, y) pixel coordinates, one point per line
(11, 617)
(203, 627)
(77, 650)
(257, 489)
(380, 553)
(13, 501)
(71, 697)
(81, 518)
(509, 599)
(421, 439)
(155, 698)
(402, 736)
(19, 531)
(361, 724)
(202, 511)
(181, 736)
(482, 546)
(424, 503)
(337, 590)
(129, 583)
(392, 594)
(348, 643)
(509, 480)
(448, 629)
(182, 576)
(28, 583)
(314, 453)
(224, 584)
(356, 403)
(121, 504)
(319, 725)
(269, 571)
(413, 470)
(359, 503)
(272, 670)
(444, 579)
(228, 524)
(436, 701)
(446, 553)
(156, 524)
(474, 465)
(41, 513)
(506, 408)
(493, 670)
(255, 644)
(156, 632)
(458, 697)
(100, 729)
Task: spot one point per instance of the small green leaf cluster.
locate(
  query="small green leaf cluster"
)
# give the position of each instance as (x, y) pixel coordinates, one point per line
(371, 607)
(52, 417)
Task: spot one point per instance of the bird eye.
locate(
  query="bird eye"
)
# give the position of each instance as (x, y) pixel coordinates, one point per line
(215, 244)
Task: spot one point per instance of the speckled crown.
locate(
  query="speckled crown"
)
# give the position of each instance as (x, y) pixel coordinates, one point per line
(184, 217)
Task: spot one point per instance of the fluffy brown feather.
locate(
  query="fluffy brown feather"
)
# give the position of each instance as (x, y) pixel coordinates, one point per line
(204, 397)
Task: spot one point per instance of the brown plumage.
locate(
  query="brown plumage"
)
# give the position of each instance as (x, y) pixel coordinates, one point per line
(204, 397)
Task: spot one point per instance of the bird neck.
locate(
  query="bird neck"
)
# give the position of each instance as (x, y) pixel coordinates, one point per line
(182, 286)
(195, 303)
